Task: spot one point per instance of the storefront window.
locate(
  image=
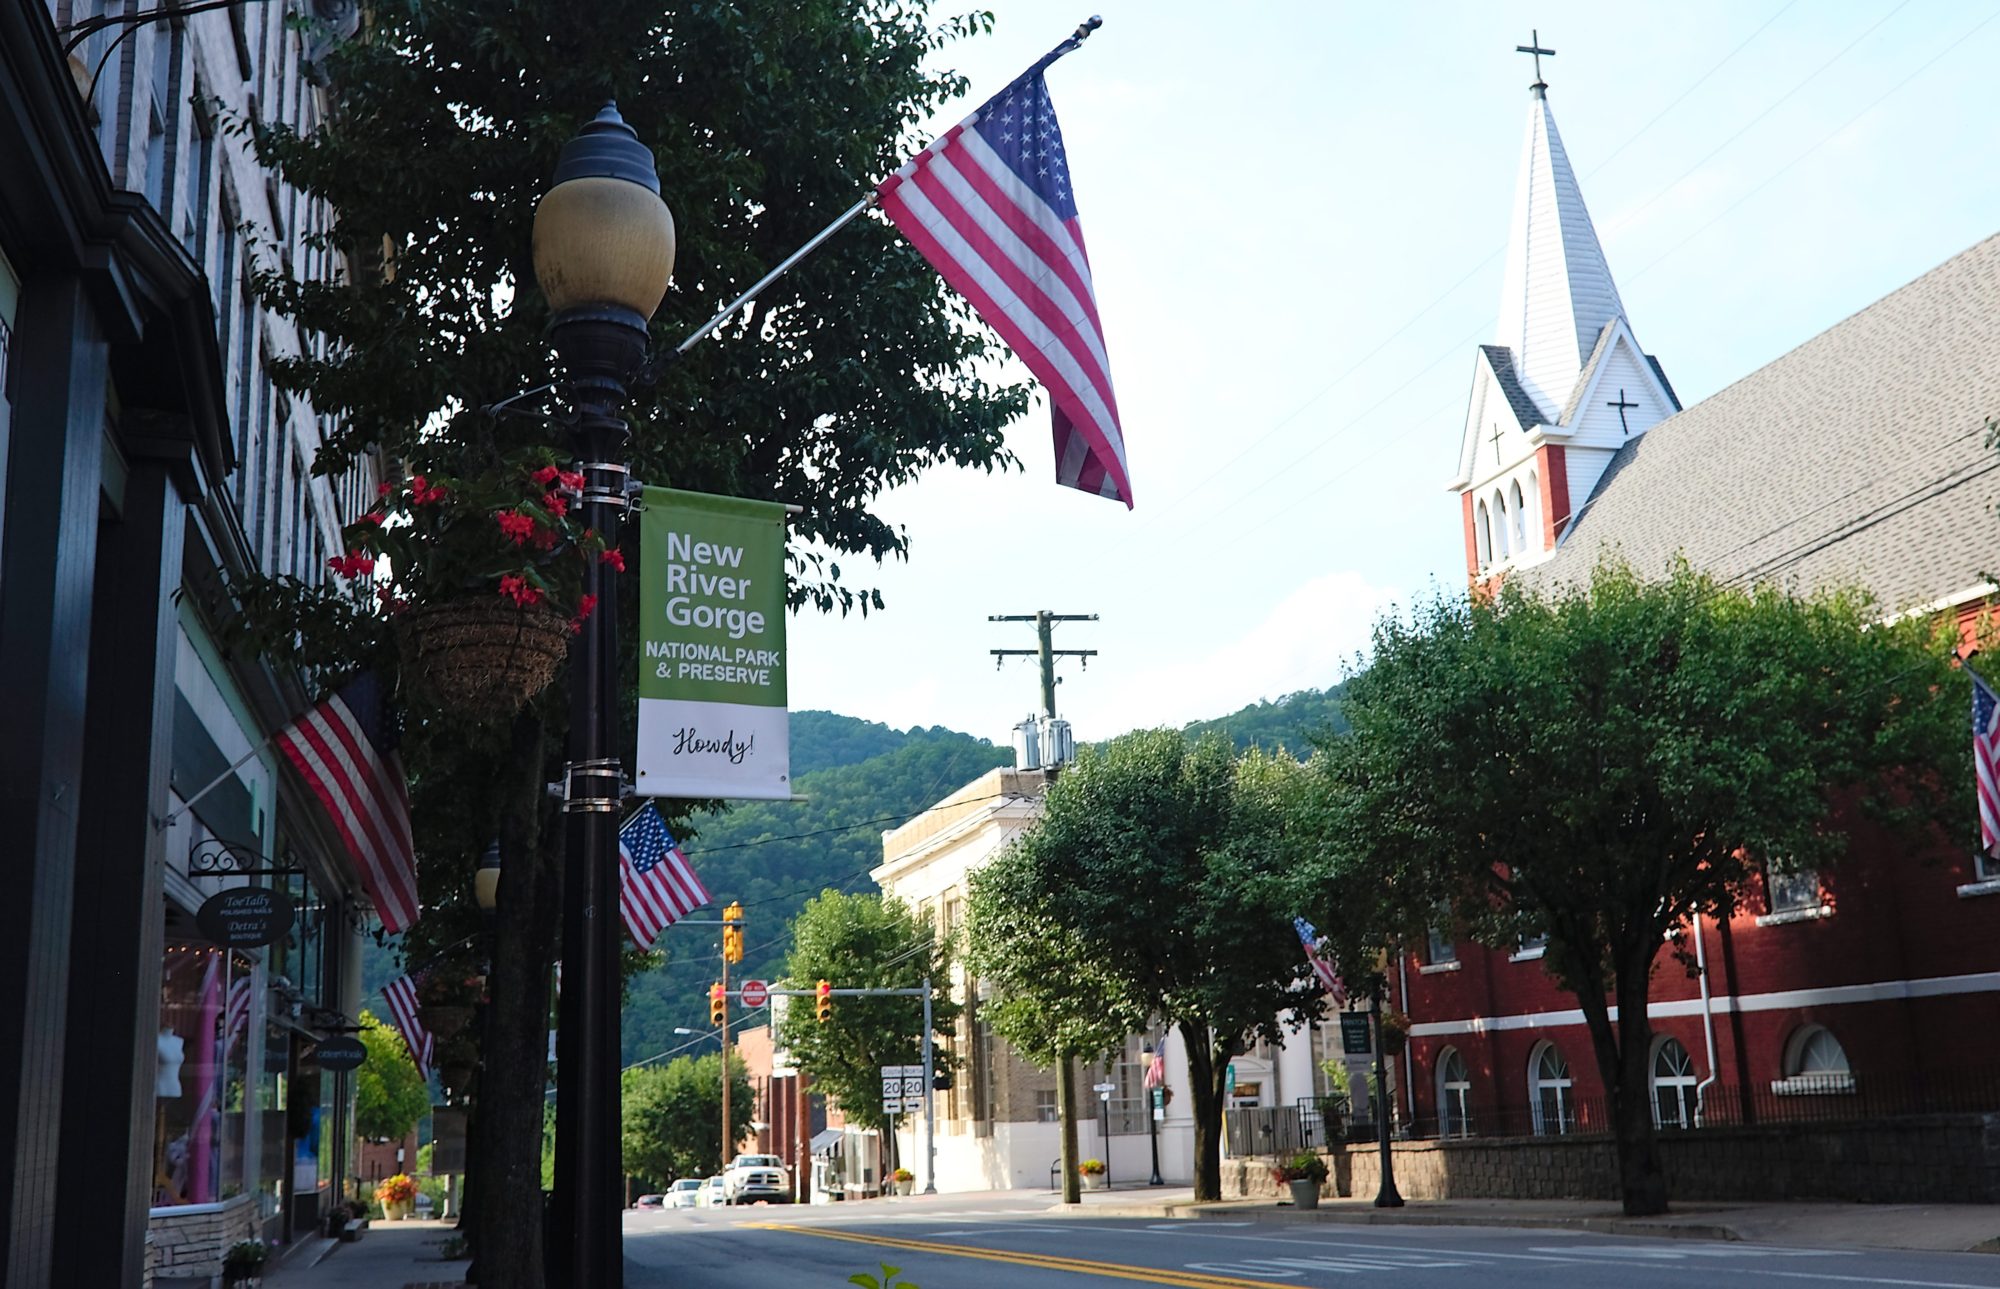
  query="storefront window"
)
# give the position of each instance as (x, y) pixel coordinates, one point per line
(199, 1092)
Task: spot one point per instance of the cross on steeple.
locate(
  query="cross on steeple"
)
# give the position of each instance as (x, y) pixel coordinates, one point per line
(1622, 405)
(1496, 443)
(1534, 46)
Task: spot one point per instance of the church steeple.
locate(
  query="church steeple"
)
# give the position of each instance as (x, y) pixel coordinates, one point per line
(1557, 293)
(1566, 386)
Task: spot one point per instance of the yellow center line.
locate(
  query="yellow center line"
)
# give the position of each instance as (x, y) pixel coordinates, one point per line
(1040, 1261)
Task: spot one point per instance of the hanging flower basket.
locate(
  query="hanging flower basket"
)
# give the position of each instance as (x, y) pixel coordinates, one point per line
(481, 655)
(443, 1021)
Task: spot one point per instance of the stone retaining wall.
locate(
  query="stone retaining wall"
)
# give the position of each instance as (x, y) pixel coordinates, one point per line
(1925, 1159)
(185, 1245)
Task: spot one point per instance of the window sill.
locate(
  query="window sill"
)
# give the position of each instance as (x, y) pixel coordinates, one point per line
(1528, 955)
(1813, 1085)
(1787, 916)
(1436, 968)
(1986, 886)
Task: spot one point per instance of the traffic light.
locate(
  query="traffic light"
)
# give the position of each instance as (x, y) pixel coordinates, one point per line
(824, 994)
(732, 933)
(718, 1005)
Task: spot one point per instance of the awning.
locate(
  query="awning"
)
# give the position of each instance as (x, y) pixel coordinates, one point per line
(826, 1141)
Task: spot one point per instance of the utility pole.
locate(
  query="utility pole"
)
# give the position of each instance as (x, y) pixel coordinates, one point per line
(1046, 652)
(1045, 649)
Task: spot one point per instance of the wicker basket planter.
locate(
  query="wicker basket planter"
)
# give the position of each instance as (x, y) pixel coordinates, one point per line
(444, 1020)
(481, 656)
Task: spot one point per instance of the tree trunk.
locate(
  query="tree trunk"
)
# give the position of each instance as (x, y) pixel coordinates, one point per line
(1072, 1181)
(1205, 1076)
(1624, 1050)
(508, 1202)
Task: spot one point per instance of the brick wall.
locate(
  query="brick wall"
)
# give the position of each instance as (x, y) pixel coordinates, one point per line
(187, 1244)
(1923, 1159)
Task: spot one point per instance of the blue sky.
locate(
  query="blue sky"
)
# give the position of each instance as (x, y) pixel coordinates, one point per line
(1295, 213)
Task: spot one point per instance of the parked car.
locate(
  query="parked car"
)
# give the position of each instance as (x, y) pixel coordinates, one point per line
(682, 1194)
(750, 1178)
(710, 1194)
(650, 1201)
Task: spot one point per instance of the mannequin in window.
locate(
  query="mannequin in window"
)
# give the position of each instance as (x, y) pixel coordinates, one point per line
(167, 1083)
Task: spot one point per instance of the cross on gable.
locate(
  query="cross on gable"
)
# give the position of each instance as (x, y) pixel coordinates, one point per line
(1496, 443)
(1622, 405)
(1534, 46)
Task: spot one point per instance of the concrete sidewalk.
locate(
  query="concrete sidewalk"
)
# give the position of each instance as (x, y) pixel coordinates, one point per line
(392, 1255)
(1954, 1228)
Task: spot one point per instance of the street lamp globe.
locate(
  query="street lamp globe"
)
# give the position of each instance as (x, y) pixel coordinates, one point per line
(486, 880)
(604, 241)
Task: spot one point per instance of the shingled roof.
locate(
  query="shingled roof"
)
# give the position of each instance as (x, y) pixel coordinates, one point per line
(1859, 457)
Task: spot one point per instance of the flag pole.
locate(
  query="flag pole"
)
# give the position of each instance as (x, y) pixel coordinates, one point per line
(1075, 41)
(187, 803)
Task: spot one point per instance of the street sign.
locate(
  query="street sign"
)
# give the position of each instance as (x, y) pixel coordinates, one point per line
(756, 993)
(902, 1088)
(1104, 1087)
(1354, 1034)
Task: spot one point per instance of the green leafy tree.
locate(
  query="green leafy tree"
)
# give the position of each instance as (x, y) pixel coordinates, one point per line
(1159, 859)
(1602, 763)
(389, 1095)
(852, 375)
(864, 942)
(1051, 998)
(673, 1116)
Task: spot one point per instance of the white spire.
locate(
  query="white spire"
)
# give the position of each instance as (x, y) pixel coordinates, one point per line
(1557, 294)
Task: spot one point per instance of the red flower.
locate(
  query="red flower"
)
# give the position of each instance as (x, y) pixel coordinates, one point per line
(615, 558)
(390, 600)
(572, 480)
(515, 524)
(516, 588)
(545, 476)
(557, 504)
(546, 538)
(422, 493)
(352, 564)
(585, 606)
(370, 517)
(383, 490)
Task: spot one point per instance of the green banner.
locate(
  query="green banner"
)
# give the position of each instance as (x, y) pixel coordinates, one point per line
(713, 717)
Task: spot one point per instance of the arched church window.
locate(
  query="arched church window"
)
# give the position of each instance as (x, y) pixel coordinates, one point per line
(1500, 547)
(1550, 1098)
(1815, 1063)
(1520, 513)
(1482, 532)
(1673, 1085)
(1454, 1093)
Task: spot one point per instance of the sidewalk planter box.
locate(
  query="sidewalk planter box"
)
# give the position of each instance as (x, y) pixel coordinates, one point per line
(1305, 1193)
(904, 1187)
(1096, 1182)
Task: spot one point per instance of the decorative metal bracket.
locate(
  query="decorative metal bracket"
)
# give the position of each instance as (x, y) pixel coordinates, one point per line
(327, 1020)
(218, 859)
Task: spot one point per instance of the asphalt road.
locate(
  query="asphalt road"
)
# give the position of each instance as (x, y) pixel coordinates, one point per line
(1020, 1243)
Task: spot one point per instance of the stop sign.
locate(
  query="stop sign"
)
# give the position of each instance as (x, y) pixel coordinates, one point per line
(756, 993)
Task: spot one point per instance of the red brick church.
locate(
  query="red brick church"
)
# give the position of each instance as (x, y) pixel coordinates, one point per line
(1861, 457)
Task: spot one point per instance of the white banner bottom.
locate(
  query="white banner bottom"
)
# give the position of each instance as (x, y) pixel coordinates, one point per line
(723, 750)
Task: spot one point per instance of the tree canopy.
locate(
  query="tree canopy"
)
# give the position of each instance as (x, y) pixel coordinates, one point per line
(1601, 763)
(1158, 859)
(867, 942)
(673, 1116)
(389, 1095)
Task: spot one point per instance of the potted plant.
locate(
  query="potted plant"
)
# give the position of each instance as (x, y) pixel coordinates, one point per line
(905, 1180)
(243, 1264)
(481, 573)
(397, 1195)
(1303, 1172)
(1095, 1177)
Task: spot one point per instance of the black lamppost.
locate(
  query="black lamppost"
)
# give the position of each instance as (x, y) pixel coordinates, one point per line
(604, 249)
(486, 891)
(1386, 1195)
(1156, 1100)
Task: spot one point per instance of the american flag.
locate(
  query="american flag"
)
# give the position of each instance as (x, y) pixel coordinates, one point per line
(345, 749)
(1310, 937)
(401, 995)
(656, 887)
(1986, 762)
(989, 205)
(236, 1013)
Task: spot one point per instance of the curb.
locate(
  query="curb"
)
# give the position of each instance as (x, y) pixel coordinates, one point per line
(1286, 1215)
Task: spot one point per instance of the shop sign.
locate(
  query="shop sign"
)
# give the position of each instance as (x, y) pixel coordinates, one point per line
(1354, 1034)
(245, 917)
(713, 714)
(341, 1052)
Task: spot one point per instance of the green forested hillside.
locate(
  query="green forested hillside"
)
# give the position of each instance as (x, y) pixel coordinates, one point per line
(774, 856)
(1290, 722)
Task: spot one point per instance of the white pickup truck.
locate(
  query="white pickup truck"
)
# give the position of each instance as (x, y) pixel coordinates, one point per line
(750, 1178)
